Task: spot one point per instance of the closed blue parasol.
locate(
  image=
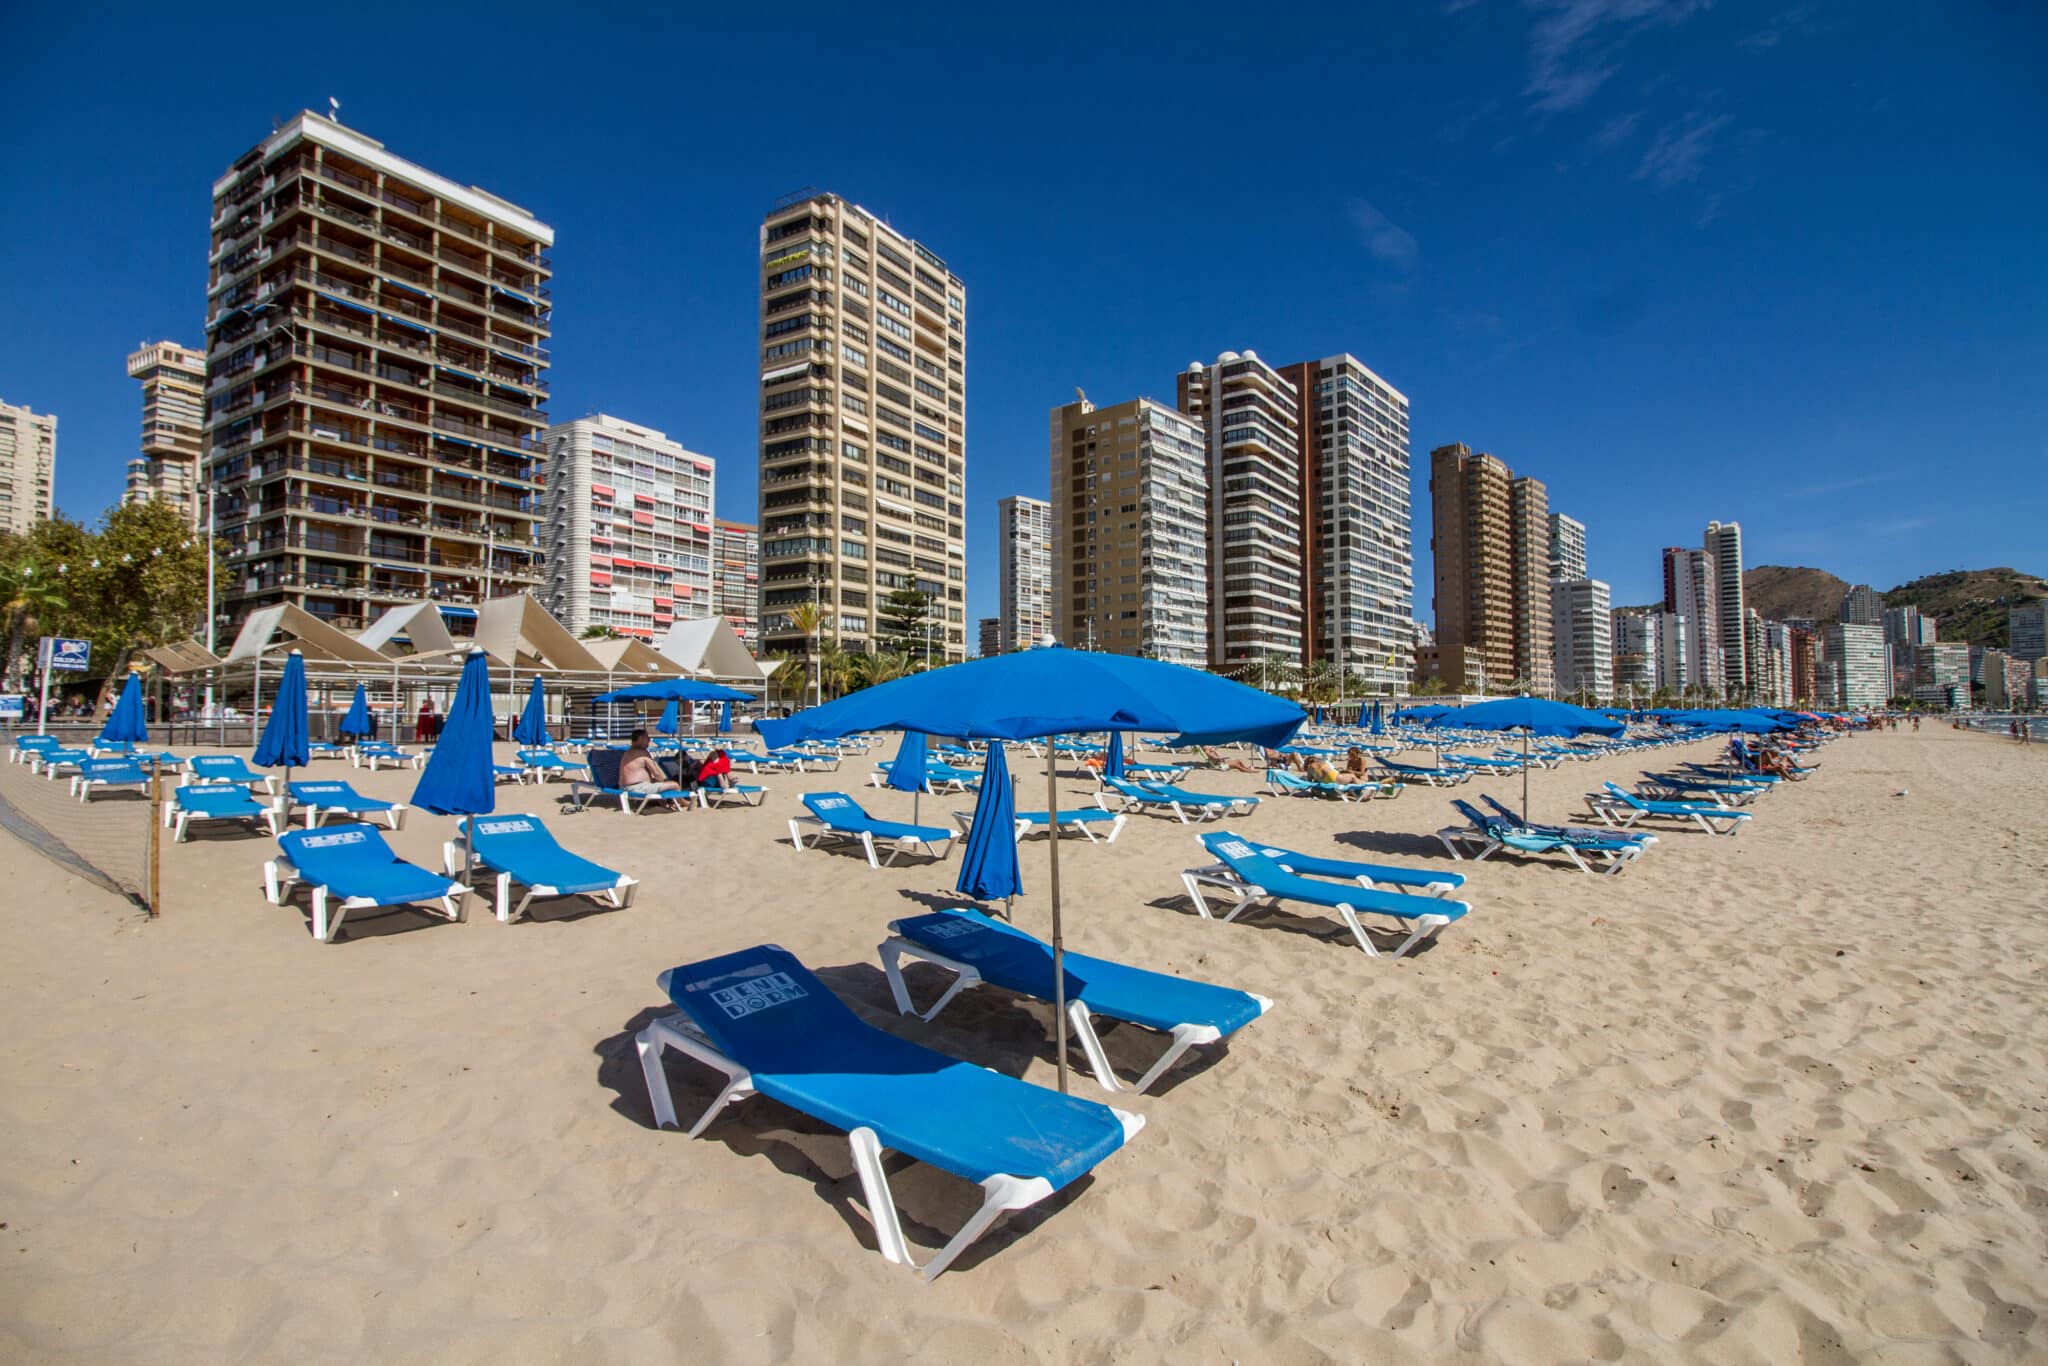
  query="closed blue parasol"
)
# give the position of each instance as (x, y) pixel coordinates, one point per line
(286, 741)
(532, 727)
(359, 723)
(725, 718)
(1033, 694)
(127, 723)
(1378, 725)
(907, 774)
(1113, 765)
(458, 779)
(988, 867)
(1530, 716)
(670, 718)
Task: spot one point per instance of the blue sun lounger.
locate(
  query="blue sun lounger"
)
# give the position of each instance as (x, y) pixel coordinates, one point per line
(190, 806)
(228, 768)
(57, 759)
(1677, 787)
(354, 863)
(518, 848)
(1120, 794)
(108, 774)
(1592, 836)
(716, 793)
(1249, 876)
(1281, 783)
(1443, 775)
(544, 764)
(1377, 876)
(28, 745)
(977, 949)
(840, 819)
(1621, 808)
(1484, 835)
(773, 1029)
(1079, 820)
(334, 798)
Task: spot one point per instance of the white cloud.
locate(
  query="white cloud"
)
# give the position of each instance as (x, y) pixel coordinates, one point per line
(1680, 150)
(1615, 131)
(1386, 240)
(1574, 46)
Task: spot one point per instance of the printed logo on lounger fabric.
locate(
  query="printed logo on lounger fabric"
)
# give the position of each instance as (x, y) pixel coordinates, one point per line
(757, 994)
(511, 827)
(317, 789)
(329, 841)
(948, 927)
(1234, 849)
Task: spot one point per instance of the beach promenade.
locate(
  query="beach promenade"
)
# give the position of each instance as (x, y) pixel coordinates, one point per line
(1775, 1098)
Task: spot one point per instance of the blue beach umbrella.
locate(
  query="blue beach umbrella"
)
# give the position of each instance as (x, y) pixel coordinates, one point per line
(532, 727)
(668, 723)
(1530, 716)
(127, 723)
(457, 780)
(1378, 725)
(725, 718)
(685, 689)
(286, 741)
(1049, 691)
(358, 722)
(988, 866)
(907, 774)
(1113, 766)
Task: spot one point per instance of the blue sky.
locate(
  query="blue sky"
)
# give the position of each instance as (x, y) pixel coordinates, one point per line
(1774, 262)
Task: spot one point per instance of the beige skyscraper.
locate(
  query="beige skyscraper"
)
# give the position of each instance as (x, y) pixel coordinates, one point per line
(863, 426)
(1491, 543)
(173, 418)
(376, 375)
(1024, 568)
(28, 466)
(1251, 415)
(736, 578)
(1130, 530)
(1723, 549)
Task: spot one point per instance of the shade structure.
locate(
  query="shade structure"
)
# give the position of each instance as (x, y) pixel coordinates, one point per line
(1530, 716)
(988, 866)
(532, 725)
(670, 718)
(1113, 765)
(127, 722)
(1051, 690)
(358, 723)
(907, 774)
(679, 689)
(1048, 691)
(725, 718)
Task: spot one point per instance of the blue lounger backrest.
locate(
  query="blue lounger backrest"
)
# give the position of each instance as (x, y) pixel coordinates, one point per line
(837, 809)
(329, 792)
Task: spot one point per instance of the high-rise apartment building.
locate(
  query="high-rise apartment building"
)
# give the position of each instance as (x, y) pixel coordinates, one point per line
(1803, 650)
(1724, 565)
(736, 578)
(1359, 568)
(173, 419)
(1471, 540)
(1024, 571)
(1855, 659)
(375, 380)
(1529, 521)
(1251, 417)
(1635, 642)
(1862, 606)
(1905, 626)
(1941, 674)
(1567, 547)
(1581, 627)
(991, 636)
(28, 466)
(628, 532)
(1689, 591)
(2027, 629)
(1130, 530)
(863, 426)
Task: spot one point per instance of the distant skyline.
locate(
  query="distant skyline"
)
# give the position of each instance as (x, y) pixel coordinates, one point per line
(1771, 263)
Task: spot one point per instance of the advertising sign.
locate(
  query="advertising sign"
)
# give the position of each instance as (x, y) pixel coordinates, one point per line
(65, 655)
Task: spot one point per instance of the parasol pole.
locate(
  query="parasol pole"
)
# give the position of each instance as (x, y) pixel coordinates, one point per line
(1525, 776)
(1059, 950)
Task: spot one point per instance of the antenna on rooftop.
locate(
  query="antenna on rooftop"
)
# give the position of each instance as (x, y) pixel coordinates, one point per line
(334, 109)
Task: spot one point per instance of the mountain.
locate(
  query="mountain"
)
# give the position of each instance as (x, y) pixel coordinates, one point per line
(1969, 604)
(1779, 591)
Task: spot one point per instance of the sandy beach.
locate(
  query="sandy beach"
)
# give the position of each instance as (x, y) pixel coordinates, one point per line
(1773, 1098)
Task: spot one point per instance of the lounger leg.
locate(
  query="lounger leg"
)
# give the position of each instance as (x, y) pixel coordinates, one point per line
(320, 926)
(506, 917)
(1082, 1025)
(1184, 1037)
(1194, 886)
(650, 1041)
(1350, 918)
(867, 842)
(891, 951)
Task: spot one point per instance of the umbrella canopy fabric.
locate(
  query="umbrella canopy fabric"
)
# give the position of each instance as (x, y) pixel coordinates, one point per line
(1031, 694)
(668, 723)
(285, 742)
(358, 722)
(1428, 711)
(1378, 725)
(127, 722)
(1113, 766)
(457, 780)
(1755, 723)
(907, 774)
(1530, 716)
(988, 866)
(725, 718)
(680, 689)
(532, 726)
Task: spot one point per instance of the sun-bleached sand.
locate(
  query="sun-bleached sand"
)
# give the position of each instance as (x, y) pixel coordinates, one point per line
(1774, 1098)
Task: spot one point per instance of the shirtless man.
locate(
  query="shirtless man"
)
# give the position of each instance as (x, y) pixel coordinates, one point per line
(640, 772)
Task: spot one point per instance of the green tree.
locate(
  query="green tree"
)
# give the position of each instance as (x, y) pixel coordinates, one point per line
(806, 619)
(29, 593)
(907, 616)
(598, 633)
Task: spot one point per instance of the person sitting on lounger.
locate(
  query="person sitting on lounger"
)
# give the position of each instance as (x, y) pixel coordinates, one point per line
(1355, 763)
(640, 772)
(1317, 769)
(1214, 756)
(716, 771)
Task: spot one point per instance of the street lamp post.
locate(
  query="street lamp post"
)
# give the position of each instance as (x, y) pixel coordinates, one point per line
(212, 623)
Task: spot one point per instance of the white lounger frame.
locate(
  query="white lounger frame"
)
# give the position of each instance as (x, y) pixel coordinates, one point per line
(393, 819)
(179, 818)
(279, 877)
(619, 894)
(1619, 814)
(821, 832)
(1111, 800)
(1001, 1192)
(1219, 876)
(1068, 821)
(710, 795)
(1080, 1020)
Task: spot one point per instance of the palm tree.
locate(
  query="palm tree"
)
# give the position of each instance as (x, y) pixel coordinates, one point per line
(806, 618)
(835, 668)
(26, 596)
